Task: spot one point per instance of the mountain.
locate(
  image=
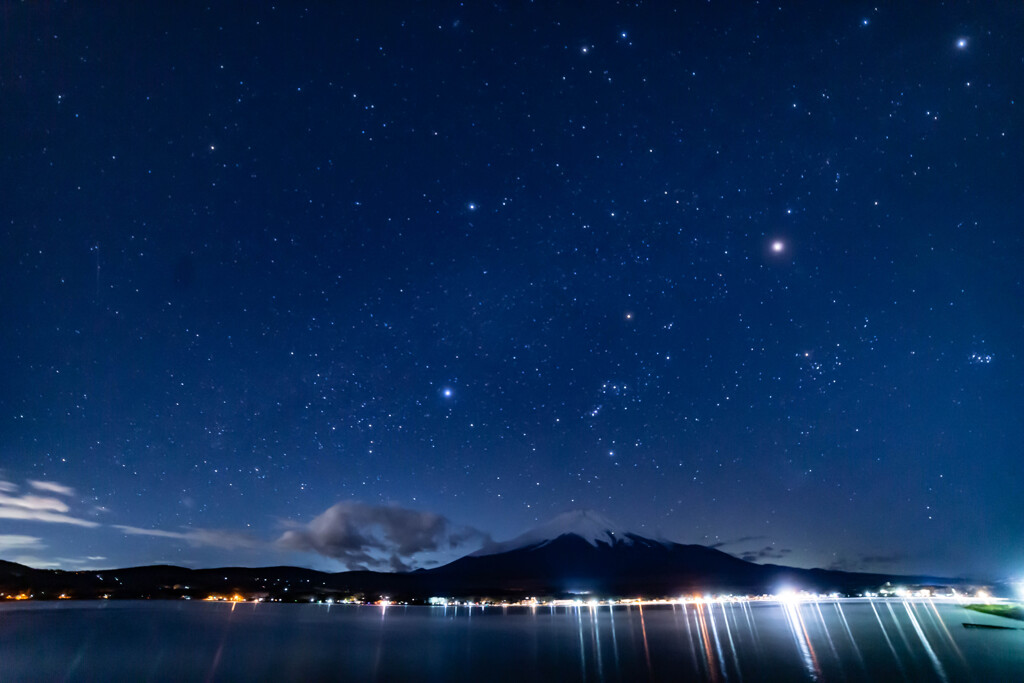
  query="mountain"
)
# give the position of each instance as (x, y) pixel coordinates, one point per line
(591, 526)
(584, 553)
(575, 554)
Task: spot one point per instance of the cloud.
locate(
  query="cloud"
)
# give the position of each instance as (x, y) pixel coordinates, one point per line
(380, 536)
(766, 553)
(52, 487)
(36, 562)
(16, 541)
(28, 506)
(80, 563)
(216, 538)
(741, 539)
(397, 565)
(31, 502)
(138, 531)
(42, 516)
(867, 562)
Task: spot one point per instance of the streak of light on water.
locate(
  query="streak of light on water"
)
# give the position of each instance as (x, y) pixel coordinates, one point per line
(716, 640)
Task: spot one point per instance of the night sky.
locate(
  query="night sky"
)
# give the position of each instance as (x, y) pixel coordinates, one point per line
(336, 285)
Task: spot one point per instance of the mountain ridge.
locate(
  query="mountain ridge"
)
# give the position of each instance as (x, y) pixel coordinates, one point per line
(589, 525)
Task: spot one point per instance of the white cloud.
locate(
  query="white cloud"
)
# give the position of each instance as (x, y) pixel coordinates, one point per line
(35, 508)
(216, 538)
(79, 563)
(16, 541)
(31, 502)
(52, 487)
(43, 516)
(138, 531)
(36, 562)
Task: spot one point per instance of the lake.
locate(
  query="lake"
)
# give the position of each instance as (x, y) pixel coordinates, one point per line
(829, 640)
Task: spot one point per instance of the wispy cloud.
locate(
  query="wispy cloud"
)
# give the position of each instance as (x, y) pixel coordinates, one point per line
(768, 552)
(867, 562)
(736, 541)
(29, 506)
(36, 562)
(18, 542)
(52, 487)
(378, 536)
(32, 502)
(216, 538)
(43, 516)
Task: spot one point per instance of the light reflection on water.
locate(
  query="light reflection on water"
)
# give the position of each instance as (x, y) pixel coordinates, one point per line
(829, 640)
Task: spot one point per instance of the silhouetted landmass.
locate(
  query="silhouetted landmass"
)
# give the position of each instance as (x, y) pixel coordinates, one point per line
(567, 566)
(1000, 610)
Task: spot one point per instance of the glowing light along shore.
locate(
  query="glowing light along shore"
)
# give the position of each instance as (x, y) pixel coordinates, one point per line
(784, 598)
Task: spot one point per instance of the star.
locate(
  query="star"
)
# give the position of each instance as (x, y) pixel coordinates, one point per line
(595, 274)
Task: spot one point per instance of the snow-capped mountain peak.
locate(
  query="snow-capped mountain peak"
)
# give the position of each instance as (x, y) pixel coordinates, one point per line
(591, 526)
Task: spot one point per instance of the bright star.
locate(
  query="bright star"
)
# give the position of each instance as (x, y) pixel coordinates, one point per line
(446, 392)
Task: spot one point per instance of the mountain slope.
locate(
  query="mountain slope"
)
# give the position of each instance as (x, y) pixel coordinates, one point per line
(591, 526)
(572, 564)
(585, 553)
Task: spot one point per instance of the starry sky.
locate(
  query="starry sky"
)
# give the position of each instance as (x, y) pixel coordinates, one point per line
(341, 285)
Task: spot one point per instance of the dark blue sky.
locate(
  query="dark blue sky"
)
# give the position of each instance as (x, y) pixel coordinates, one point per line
(737, 274)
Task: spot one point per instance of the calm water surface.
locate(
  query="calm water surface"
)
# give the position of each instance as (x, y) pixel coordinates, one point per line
(852, 640)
